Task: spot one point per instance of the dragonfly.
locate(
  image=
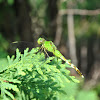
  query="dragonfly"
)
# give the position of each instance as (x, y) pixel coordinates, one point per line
(46, 46)
(49, 46)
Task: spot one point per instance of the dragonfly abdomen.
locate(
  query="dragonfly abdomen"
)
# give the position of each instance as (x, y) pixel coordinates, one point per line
(72, 65)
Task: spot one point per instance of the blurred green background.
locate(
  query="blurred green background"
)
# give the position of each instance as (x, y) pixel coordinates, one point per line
(27, 20)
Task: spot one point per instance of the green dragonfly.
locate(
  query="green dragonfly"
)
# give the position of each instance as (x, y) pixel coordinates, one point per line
(49, 46)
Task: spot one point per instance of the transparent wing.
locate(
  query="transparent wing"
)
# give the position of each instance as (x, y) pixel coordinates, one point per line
(21, 45)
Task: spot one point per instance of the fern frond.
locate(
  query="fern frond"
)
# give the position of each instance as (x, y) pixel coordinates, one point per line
(32, 76)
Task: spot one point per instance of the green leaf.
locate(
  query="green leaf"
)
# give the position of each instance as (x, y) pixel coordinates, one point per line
(9, 94)
(26, 52)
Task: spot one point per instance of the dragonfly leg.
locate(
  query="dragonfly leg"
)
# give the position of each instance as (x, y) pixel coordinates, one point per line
(44, 50)
(41, 48)
(46, 53)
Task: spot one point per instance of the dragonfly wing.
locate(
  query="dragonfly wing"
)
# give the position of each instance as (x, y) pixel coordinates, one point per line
(21, 45)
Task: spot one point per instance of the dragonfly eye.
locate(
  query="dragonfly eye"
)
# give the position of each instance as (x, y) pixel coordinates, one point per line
(40, 40)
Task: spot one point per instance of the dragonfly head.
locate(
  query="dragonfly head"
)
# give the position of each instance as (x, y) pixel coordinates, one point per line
(40, 41)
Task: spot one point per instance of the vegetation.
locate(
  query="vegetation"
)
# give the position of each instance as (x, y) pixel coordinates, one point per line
(32, 76)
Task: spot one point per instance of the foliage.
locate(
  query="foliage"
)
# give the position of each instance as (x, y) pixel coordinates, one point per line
(31, 76)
